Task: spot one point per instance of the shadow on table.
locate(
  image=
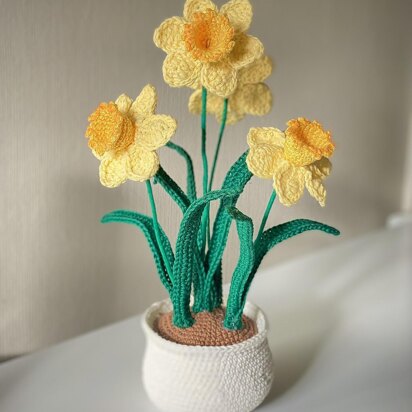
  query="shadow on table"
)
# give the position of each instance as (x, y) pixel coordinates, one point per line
(300, 328)
(299, 334)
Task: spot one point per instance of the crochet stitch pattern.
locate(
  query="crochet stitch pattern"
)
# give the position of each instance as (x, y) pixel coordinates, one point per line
(207, 47)
(125, 136)
(251, 96)
(209, 50)
(206, 331)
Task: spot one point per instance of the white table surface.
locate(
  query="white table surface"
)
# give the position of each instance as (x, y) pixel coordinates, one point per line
(341, 336)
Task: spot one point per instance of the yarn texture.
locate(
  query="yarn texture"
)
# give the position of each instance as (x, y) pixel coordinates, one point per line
(293, 159)
(207, 330)
(251, 96)
(180, 378)
(207, 47)
(125, 135)
(204, 352)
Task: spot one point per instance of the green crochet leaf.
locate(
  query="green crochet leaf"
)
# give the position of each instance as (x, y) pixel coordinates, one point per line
(172, 188)
(145, 224)
(282, 232)
(239, 283)
(186, 245)
(236, 180)
(176, 193)
(190, 180)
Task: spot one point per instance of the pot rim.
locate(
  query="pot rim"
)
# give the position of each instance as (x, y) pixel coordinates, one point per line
(163, 306)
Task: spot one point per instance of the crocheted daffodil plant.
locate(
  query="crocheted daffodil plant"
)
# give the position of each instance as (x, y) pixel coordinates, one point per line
(210, 51)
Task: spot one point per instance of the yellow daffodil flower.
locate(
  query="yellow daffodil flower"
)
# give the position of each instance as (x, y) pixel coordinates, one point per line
(295, 158)
(124, 135)
(250, 97)
(207, 46)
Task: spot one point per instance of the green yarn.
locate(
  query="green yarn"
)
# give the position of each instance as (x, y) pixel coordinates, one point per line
(190, 179)
(237, 297)
(184, 258)
(145, 224)
(252, 254)
(172, 189)
(204, 154)
(284, 231)
(199, 273)
(189, 270)
(157, 229)
(205, 218)
(235, 180)
(266, 214)
(219, 142)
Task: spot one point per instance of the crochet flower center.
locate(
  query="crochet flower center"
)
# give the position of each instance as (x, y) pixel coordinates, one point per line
(306, 142)
(209, 36)
(110, 129)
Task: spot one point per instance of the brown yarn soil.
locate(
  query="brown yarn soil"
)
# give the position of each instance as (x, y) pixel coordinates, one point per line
(208, 330)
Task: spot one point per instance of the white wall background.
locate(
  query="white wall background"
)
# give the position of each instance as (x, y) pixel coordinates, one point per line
(62, 272)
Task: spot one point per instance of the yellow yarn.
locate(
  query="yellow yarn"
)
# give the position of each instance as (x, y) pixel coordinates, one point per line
(125, 136)
(306, 142)
(251, 96)
(267, 159)
(209, 37)
(207, 47)
(109, 129)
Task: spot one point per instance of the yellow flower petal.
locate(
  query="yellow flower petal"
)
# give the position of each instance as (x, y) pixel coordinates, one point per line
(246, 50)
(145, 104)
(235, 109)
(289, 183)
(219, 78)
(234, 112)
(265, 136)
(113, 169)
(257, 71)
(179, 69)
(195, 102)
(255, 99)
(321, 168)
(155, 131)
(123, 103)
(214, 106)
(239, 13)
(232, 117)
(306, 141)
(196, 6)
(262, 160)
(143, 164)
(315, 188)
(169, 35)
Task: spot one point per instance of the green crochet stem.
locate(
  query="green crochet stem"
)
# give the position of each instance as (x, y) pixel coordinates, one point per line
(172, 189)
(190, 180)
(205, 217)
(204, 154)
(157, 230)
(266, 214)
(219, 142)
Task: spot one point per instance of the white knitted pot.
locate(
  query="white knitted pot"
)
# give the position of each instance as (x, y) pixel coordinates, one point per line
(180, 378)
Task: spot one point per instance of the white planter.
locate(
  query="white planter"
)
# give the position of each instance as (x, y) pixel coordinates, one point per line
(180, 378)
